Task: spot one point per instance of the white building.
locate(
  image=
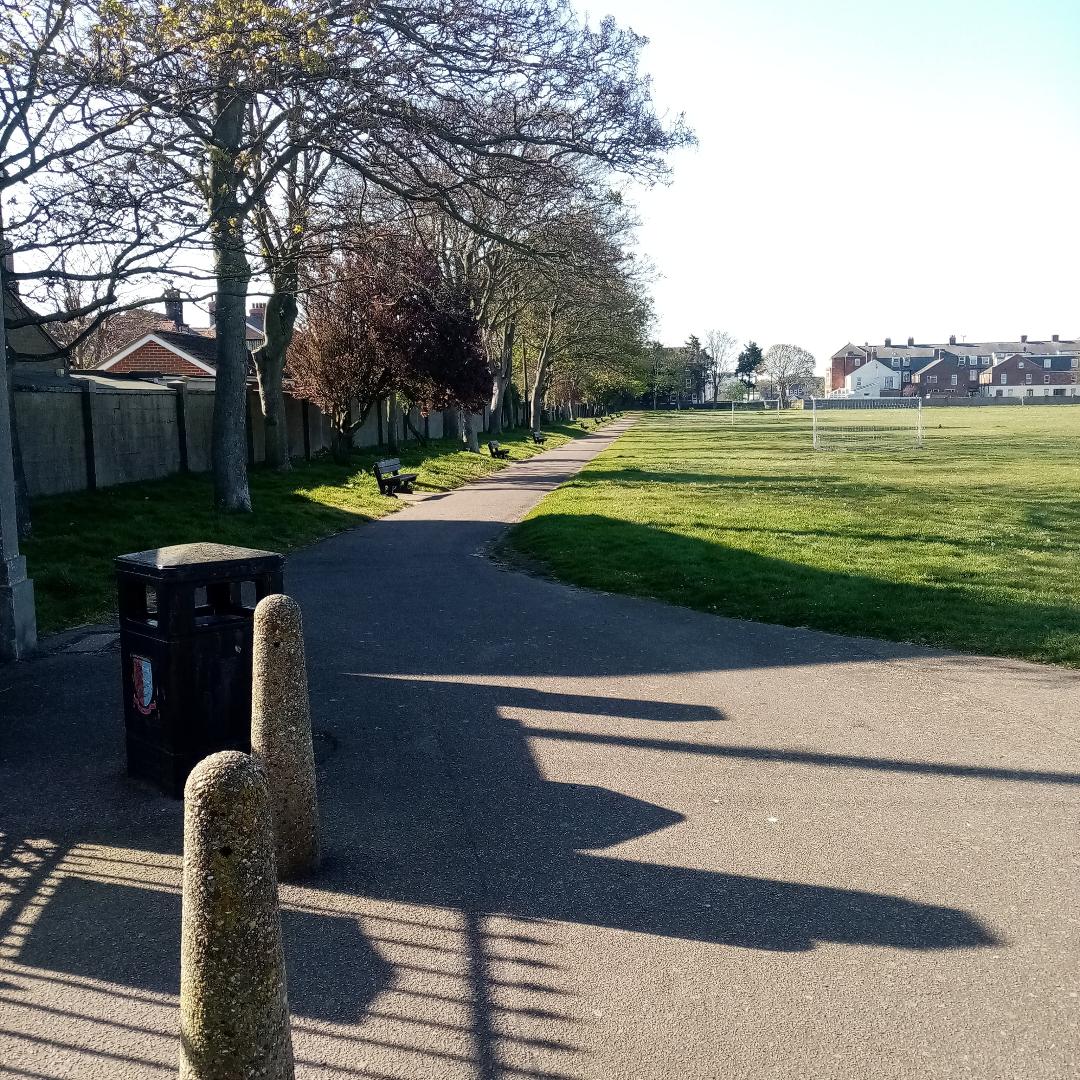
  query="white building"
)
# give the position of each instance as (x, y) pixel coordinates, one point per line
(871, 380)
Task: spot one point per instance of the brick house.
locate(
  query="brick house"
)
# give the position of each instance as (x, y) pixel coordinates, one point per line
(912, 359)
(948, 374)
(165, 352)
(174, 348)
(1029, 376)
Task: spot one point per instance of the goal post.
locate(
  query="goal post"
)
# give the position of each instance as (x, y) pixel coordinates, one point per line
(759, 405)
(867, 423)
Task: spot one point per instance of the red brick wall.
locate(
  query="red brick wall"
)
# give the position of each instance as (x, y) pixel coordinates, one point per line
(843, 366)
(155, 357)
(1017, 367)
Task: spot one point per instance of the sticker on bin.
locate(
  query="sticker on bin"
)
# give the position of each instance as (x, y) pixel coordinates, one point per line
(142, 677)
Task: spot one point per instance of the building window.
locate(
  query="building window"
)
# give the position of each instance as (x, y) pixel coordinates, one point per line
(973, 374)
(1046, 362)
(1046, 378)
(907, 362)
(907, 377)
(962, 362)
(1004, 379)
(985, 360)
(1027, 378)
(931, 378)
(896, 361)
(1021, 365)
(953, 380)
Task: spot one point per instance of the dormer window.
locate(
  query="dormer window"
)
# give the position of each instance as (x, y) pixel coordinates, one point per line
(962, 362)
(1046, 362)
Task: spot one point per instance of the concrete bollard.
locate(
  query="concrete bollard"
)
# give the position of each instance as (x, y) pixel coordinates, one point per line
(234, 1012)
(281, 733)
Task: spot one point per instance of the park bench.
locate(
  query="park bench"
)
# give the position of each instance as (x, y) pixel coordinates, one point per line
(391, 479)
(539, 438)
(497, 451)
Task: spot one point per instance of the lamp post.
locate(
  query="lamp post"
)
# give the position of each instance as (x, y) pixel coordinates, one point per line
(18, 624)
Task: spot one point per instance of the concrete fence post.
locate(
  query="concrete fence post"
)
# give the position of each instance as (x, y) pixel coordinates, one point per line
(234, 1011)
(179, 386)
(281, 733)
(87, 391)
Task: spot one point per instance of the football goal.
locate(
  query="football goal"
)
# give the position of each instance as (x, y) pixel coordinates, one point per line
(754, 408)
(867, 423)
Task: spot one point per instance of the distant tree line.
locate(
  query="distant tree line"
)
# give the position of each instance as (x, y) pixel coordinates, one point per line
(702, 374)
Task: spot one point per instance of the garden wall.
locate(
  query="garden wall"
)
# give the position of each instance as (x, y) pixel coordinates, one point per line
(89, 432)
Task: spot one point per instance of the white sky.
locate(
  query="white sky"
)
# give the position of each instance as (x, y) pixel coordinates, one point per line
(866, 169)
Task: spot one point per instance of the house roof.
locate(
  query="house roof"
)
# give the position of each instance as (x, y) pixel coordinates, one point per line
(849, 348)
(195, 348)
(28, 342)
(253, 331)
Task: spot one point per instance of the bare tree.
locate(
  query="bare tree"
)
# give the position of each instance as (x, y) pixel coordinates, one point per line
(720, 346)
(784, 365)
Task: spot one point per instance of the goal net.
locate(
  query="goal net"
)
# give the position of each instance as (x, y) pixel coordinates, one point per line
(867, 423)
(754, 408)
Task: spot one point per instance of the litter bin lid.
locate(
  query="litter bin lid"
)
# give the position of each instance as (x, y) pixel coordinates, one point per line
(182, 562)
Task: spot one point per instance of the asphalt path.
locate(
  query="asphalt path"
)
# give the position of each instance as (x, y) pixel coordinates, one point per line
(575, 836)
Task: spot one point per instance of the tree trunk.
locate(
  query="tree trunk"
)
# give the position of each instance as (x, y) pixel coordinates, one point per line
(228, 453)
(270, 365)
(467, 425)
(340, 445)
(421, 436)
(392, 425)
(503, 374)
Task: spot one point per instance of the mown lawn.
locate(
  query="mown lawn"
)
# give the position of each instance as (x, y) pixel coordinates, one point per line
(76, 537)
(971, 543)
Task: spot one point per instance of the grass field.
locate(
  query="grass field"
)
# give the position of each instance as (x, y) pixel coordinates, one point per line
(76, 537)
(972, 542)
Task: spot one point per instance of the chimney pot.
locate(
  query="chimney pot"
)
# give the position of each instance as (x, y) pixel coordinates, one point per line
(1055, 337)
(1023, 338)
(7, 254)
(952, 339)
(888, 342)
(911, 341)
(174, 307)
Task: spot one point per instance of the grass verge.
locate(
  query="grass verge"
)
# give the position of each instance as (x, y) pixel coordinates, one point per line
(76, 537)
(972, 543)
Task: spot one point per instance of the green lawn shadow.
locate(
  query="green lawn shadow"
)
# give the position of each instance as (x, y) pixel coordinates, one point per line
(620, 556)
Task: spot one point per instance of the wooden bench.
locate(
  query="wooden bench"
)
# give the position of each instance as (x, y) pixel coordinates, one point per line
(539, 438)
(391, 479)
(497, 451)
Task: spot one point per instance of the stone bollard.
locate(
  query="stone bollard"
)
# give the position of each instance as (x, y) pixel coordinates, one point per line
(234, 1012)
(281, 733)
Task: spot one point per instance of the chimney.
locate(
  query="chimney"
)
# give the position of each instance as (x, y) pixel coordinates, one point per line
(1055, 337)
(257, 315)
(952, 339)
(888, 342)
(911, 341)
(1023, 339)
(174, 307)
(9, 264)
(211, 306)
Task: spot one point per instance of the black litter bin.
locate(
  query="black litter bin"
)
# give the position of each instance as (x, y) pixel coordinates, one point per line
(186, 618)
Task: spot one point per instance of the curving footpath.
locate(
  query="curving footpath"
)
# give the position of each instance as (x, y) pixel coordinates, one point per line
(577, 836)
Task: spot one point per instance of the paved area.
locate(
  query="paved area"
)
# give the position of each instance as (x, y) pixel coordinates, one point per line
(576, 837)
